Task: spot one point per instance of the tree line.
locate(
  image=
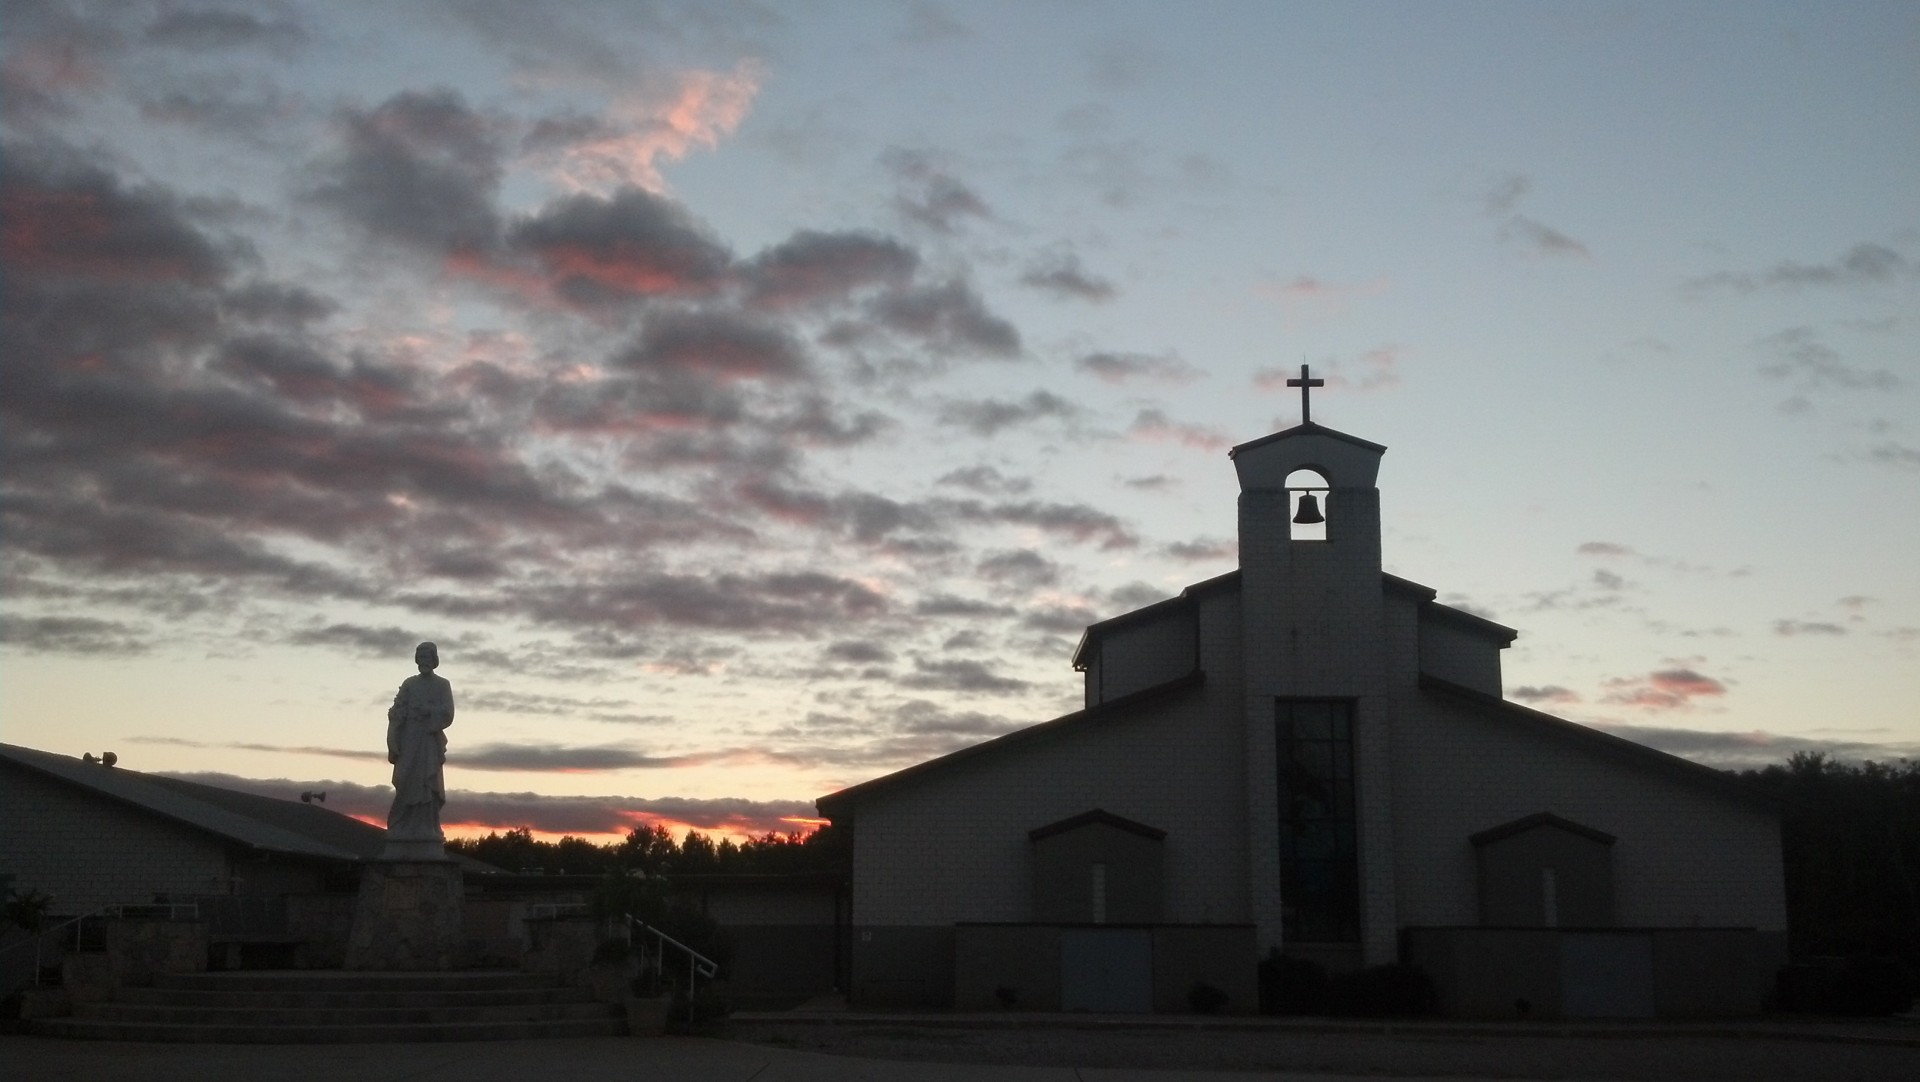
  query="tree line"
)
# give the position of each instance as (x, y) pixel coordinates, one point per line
(654, 850)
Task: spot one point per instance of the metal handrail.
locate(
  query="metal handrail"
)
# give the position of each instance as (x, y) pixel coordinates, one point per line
(40, 934)
(697, 964)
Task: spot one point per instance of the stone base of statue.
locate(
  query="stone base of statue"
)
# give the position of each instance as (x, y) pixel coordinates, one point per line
(409, 915)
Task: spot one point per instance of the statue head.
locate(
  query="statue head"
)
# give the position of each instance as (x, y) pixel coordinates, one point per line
(427, 656)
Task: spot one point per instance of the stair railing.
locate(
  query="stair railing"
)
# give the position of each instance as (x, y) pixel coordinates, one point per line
(698, 965)
(40, 935)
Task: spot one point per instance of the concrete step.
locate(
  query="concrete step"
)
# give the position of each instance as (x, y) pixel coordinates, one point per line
(337, 1016)
(93, 1029)
(328, 1007)
(484, 997)
(340, 980)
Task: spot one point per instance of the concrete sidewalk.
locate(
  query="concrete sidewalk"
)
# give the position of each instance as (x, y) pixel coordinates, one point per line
(590, 1059)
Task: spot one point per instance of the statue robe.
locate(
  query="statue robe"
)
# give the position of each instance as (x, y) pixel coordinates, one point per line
(417, 747)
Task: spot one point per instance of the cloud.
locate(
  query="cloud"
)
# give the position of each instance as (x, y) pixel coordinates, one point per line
(1522, 232)
(1020, 568)
(213, 30)
(1551, 694)
(644, 128)
(1062, 276)
(470, 811)
(1753, 749)
(1538, 239)
(421, 168)
(950, 318)
(1204, 549)
(1308, 296)
(1864, 264)
(717, 346)
(1791, 628)
(84, 635)
(1799, 356)
(1121, 368)
(988, 416)
(985, 480)
(960, 675)
(1666, 689)
(929, 196)
(360, 639)
(1603, 548)
(1154, 426)
(812, 269)
(859, 652)
(66, 219)
(628, 246)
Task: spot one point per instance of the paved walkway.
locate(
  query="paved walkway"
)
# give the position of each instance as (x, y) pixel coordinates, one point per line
(599, 1059)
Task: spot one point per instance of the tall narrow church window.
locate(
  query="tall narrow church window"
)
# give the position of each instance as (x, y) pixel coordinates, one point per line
(1307, 493)
(1319, 841)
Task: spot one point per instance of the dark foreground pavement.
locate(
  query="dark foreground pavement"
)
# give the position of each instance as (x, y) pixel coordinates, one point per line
(768, 1048)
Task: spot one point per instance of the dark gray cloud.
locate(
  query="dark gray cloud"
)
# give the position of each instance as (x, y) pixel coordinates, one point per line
(811, 269)
(1119, 368)
(988, 416)
(71, 635)
(718, 346)
(1062, 275)
(213, 29)
(1549, 694)
(986, 480)
(859, 652)
(1861, 265)
(422, 168)
(1204, 549)
(1800, 357)
(1791, 628)
(631, 245)
(949, 318)
(1022, 569)
(391, 642)
(927, 195)
(962, 675)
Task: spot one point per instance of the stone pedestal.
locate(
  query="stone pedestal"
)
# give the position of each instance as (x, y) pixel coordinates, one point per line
(408, 917)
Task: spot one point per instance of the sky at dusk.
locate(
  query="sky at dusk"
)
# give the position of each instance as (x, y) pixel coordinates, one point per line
(754, 399)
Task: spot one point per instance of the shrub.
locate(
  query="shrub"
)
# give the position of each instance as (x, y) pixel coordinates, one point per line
(1204, 998)
(1291, 985)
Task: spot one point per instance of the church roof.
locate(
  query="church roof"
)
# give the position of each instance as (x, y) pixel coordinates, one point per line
(838, 805)
(1306, 429)
(256, 822)
(1231, 581)
(1639, 754)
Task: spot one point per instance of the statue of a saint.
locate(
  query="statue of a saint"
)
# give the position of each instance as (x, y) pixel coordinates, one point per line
(417, 748)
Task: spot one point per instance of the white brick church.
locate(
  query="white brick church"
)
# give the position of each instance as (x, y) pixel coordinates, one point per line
(1310, 755)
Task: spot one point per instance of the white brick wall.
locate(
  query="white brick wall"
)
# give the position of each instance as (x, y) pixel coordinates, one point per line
(88, 851)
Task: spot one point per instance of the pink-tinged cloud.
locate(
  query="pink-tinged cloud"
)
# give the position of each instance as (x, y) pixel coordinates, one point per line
(1154, 426)
(641, 132)
(1666, 689)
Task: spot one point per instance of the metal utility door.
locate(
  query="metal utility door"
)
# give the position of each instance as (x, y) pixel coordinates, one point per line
(1606, 975)
(1106, 969)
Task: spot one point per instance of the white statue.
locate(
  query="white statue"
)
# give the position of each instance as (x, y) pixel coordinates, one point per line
(417, 748)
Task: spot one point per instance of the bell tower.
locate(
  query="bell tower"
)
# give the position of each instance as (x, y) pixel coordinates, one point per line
(1314, 646)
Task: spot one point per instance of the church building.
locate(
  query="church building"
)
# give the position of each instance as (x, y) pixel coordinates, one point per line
(1307, 755)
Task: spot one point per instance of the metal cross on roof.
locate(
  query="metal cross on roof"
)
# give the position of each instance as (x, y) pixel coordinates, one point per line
(1305, 384)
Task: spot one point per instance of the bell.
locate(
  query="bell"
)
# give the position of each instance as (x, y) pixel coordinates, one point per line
(1309, 512)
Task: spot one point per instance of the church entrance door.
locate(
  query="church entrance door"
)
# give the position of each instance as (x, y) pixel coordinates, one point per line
(1106, 969)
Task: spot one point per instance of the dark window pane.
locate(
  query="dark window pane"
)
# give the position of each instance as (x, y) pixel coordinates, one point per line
(1312, 721)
